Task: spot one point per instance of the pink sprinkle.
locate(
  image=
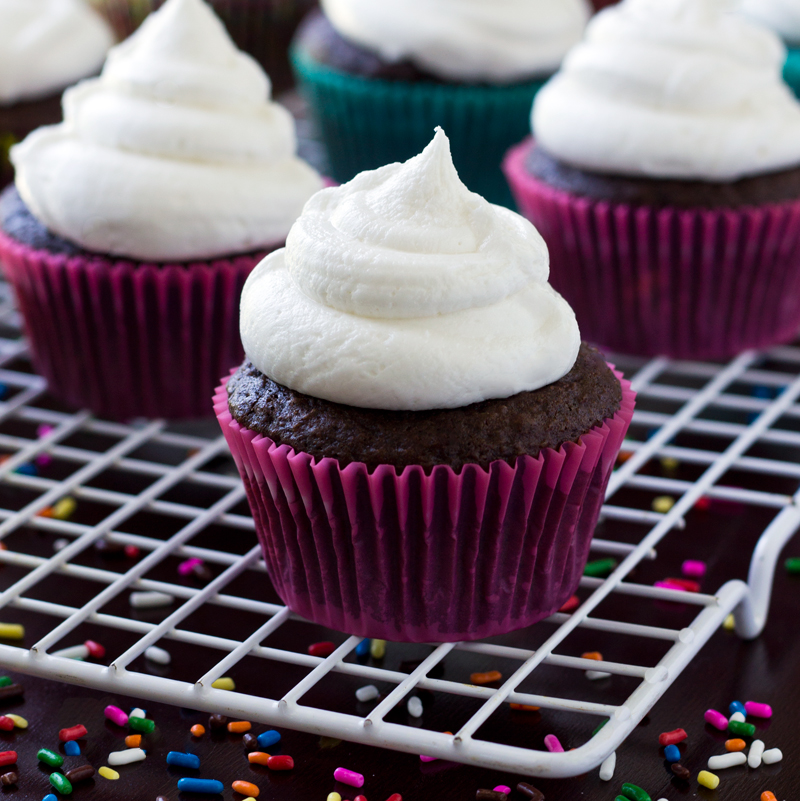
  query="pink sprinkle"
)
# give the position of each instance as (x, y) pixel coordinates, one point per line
(350, 777)
(693, 568)
(43, 430)
(716, 719)
(759, 710)
(96, 651)
(501, 788)
(552, 744)
(43, 460)
(427, 758)
(685, 584)
(669, 585)
(185, 568)
(116, 715)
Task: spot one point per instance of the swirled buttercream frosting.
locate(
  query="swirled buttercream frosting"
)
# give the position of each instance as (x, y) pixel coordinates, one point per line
(46, 45)
(465, 40)
(404, 290)
(783, 16)
(672, 89)
(174, 153)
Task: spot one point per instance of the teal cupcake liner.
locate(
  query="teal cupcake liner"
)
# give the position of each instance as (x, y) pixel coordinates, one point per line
(368, 122)
(791, 70)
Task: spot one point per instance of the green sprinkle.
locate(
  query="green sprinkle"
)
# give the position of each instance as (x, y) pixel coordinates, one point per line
(793, 565)
(50, 757)
(741, 729)
(61, 783)
(600, 567)
(5, 681)
(142, 724)
(634, 793)
(600, 727)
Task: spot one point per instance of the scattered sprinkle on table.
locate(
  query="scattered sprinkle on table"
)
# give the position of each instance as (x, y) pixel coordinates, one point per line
(716, 719)
(116, 758)
(61, 783)
(672, 754)
(258, 758)
(755, 754)
(662, 504)
(772, 756)
(634, 792)
(758, 710)
(350, 777)
(377, 649)
(80, 774)
(607, 768)
(367, 693)
(268, 738)
(181, 759)
(239, 726)
(245, 788)
(116, 715)
(149, 600)
(72, 733)
(211, 786)
(12, 631)
(71, 748)
(488, 677)
(552, 744)
(600, 568)
(133, 740)
(729, 624)
(280, 763)
(708, 780)
(47, 756)
(157, 655)
(693, 568)
(108, 773)
(8, 758)
(792, 565)
(735, 745)
(768, 796)
(198, 730)
(334, 797)
(741, 729)
(414, 706)
(680, 771)
(224, 683)
(141, 724)
(18, 721)
(724, 761)
(321, 649)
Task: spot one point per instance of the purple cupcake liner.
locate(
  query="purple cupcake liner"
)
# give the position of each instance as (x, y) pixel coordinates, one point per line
(688, 283)
(127, 339)
(419, 557)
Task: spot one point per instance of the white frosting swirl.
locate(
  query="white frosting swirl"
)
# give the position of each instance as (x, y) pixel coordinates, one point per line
(404, 290)
(783, 16)
(672, 89)
(174, 153)
(465, 40)
(46, 45)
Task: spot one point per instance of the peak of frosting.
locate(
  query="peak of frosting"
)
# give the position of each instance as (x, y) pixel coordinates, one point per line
(783, 16)
(465, 40)
(46, 45)
(174, 153)
(404, 290)
(671, 89)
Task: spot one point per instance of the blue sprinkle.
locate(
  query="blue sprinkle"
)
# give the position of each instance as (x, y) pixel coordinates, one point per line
(71, 748)
(762, 392)
(362, 649)
(200, 786)
(27, 469)
(672, 753)
(737, 706)
(3, 394)
(49, 797)
(182, 760)
(268, 738)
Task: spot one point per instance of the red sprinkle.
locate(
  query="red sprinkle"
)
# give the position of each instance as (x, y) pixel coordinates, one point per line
(702, 504)
(132, 552)
(280, 763)
(687, 584)
(96, 651)
(571, 604)
(395, 797)
(72, 733)
(6, 724)
(321, 649)
(360, 798)
(7, 758)
(672, 737)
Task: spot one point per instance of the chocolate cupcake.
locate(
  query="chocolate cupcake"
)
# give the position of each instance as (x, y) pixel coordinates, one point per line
(45, 46)
(380, 76)
(665, 178)
(416, 423)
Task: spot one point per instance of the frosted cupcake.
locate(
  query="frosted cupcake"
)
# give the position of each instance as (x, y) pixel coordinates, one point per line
(783, 17)
(45, 46)
(424, 441)
(664, 178)
(380, 76)
(135, 222)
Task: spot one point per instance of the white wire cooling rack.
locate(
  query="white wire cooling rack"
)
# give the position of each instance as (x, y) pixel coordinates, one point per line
(734, 429)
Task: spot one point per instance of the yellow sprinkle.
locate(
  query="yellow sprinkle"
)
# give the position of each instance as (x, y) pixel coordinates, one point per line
(224, 683)
(12, 631)
(249, 798)
(662, 504)
(377, 649)
(19, 722)
(108, 773)
(708, 779)
(729, 624)
(65, 508)
(670, 464)
(334, 797)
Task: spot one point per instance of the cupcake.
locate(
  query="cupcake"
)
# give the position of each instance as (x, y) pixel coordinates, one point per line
(664, 175)
(134, 223)
(263, 28)
(783, 16)
(45, 45)
(380, 75)
(424, 441)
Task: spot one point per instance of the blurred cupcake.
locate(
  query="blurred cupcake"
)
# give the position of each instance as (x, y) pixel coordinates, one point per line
(263, 28)
(424, 441)
(135, 222)
(783, 16)
(380, 76)
(45, 45)
(665, 180)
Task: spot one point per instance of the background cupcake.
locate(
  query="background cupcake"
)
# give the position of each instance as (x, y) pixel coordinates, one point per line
(380, 76)
(424, 442)
(665, 180)
(138, 219)
(45, 45)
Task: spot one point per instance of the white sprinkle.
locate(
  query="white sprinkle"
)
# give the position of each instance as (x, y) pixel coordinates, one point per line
(726, 760)
(607, 768)
(137, 713)
(414, 706)
(158, 655)
(60, 544)
(126, 757)
(756, 753)
(738, 717)
(772, 756)
(73, 652)
(367, 693)
(146, 600)
(596, 675)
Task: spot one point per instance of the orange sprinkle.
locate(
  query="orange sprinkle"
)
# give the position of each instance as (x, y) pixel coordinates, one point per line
(596, 655)
(570, 604)
(486, 678)
(735, 745)
(623, 456)
(197, 730)
(524, 707)
(3, 546)
(46, 512)
(133, 740)
(239, 726)
(768, 796)
(258, 758)
(245, 788)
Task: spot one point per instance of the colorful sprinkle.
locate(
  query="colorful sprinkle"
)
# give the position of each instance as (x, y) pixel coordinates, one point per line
(726, 760)
(572, 603)
(149, 600)
(10, 757)
(716, 719)
(672, 753)
(736, 706)
(552, 744)
(141, 724)
(19, 722)
(772, 756)
(680, 771)
(729, 624)
(741, 729)
(377, 649)
(157, 655)
(133, 740)
(239, 726)
(116, 715)
(116, 758)
(489, 677)
(600, 567)
(768, 796)
(65, 508)
(12, 631)
(708, 780)
(80, 774)
(183, 760)
(367, 693)
(792, 565)
(61, 783)
(662, 504)
(224, 683)
(245, 788)
(634, 792)
(47, 756)
(350, 777)
(198, 730)
(71, 748)
(321, 649)
(414, 707)
(362, 649)
(735, 745)
(200, 786)
(280, 763)
(758, 710)
(108, 773)
(756, 753)
(672, 737)
(96, 651)
(258, 758)
(268, 738)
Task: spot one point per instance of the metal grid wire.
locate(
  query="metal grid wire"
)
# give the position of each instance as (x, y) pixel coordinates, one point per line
(718, 420)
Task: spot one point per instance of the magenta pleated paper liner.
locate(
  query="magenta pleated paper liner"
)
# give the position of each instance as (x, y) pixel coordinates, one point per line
(129, 339)
(426, 558)
(687, 283)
